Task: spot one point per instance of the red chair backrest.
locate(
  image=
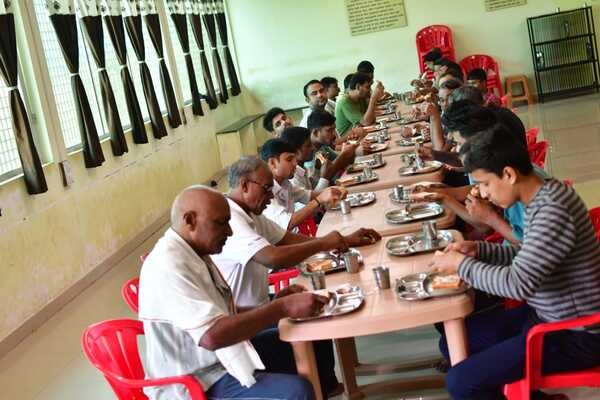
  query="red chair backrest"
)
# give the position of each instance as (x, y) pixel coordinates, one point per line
(434, 36)
(532, 135)
(111, 346)
(489, 65)
(595, 217)
(130, 293)
(281, 279)
(537, 153)
(308, 227)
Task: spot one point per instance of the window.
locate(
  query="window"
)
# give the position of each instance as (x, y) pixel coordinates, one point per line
(9, 157)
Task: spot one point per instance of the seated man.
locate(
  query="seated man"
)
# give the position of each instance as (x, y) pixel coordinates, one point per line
(478, 78)
(556, 271)
(332, 89)
(258, 244)
(316, 97)
(443, 66)
(190, 321)
(323, 137)
(280, 156)
(430, 59)
(357, 106)
(307, 178)
(276, 120)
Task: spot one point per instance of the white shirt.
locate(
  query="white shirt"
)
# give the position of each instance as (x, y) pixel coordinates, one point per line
(281, 208)
(305, 114)
(330, 107)
(181, 297)
(301, 179)
(246, 277)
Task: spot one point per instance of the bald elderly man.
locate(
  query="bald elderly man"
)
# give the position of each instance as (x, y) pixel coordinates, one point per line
(190, 320)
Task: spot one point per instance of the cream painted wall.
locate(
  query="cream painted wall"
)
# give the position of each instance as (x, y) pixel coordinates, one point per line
(48, 242)
(282, 44)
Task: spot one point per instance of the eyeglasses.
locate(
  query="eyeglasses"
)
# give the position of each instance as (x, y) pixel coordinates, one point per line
(265, 187)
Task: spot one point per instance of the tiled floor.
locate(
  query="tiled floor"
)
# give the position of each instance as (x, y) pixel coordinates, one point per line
(49, 364)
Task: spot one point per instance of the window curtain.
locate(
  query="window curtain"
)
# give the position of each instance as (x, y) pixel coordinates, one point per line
(62, 16)
(91, 21)
(153, 25)
(177, 10)
(194, 8)
(222, 25)
(112, 11)
(208, 16)
(133, 23)
(30, 161)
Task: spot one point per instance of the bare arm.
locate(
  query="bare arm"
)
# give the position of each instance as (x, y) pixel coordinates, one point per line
(437, 132)
(302, 214)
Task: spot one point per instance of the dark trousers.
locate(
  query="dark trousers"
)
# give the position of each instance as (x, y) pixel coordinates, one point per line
(497, 340)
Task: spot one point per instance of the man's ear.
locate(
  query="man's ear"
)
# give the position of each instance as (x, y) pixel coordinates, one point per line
(244, 184)
(189, 218)
(272, 162)
(510, 175)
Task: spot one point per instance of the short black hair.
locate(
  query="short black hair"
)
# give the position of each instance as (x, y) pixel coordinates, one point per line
(478, 74)
(433, 55)
(318, 119)
(347, 80)
(468, 118)
(327, 81)
(296, 136)
(451, 84)
(456, 75)
(467, 93)
(305, 89)
(268, 118)
(495, 149)
(273, 148)
(452, 68)
(365, 67)
(358, 79)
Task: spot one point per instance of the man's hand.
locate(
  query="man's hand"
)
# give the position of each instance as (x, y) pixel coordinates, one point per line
(292, 289)
(378, 91)
(334, 240)
(357, 133)
(301, 305)
(331, 195)
(447, 262)
(426, 153)
(468, 248)
(480, 209)
(366, 147)
(362, 237)
(430, 109)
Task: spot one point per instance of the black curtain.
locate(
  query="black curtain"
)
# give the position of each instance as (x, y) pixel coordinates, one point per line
(114, 24)
(133, 23)
(30, 161)
(222, 24)
(179, 20)
(209, 22)
(153, 25)
(65, 26)
(92, 27)
(211, 95)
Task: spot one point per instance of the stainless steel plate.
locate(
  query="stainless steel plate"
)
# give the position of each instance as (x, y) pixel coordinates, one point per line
(360, 165)
(409, 245)
(377, 147)
(358, 199)
(397, 200)
(343, 300)
(415, 213)
(407, 142)
(418, 287)
(428, 166)
(359, 179)
(337, 262)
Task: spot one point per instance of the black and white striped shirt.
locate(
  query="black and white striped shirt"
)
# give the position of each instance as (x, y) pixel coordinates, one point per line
(556, 269)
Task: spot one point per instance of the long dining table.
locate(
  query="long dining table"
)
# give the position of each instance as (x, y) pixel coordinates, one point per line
(382, 311)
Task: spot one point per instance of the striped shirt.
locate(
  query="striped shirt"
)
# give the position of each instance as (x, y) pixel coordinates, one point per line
(556, 269)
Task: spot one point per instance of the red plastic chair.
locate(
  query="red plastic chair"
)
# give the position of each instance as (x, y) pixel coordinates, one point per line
(281, 279)
(489, 65)
(595, 217)
(432, 36)
(537, 153)
(534, 379)
(532, 135)
(308, 227)
(111, 346)
(130, 292)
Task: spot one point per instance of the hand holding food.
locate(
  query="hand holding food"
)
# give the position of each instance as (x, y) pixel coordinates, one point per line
(447, 262)
(363, 237)
(480, 209)
(467, 248)
(301, 305)
(292, 289)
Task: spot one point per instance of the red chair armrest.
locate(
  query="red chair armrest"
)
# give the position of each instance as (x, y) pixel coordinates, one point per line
(193, 386)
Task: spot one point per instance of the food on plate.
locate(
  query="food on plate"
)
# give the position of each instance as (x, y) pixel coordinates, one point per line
(346, 180)
(321, 265)
(446, 282)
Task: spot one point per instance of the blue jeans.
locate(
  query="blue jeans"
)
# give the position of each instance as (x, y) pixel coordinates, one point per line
(269, 386)
(497, 342)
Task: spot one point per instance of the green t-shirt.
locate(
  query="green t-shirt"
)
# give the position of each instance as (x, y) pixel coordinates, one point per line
(348, 113)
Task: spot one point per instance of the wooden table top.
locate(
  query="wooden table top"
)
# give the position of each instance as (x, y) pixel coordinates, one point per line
(382, 310)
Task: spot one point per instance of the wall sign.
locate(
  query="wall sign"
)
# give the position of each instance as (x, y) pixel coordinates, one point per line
(493, 5)
(367, 16)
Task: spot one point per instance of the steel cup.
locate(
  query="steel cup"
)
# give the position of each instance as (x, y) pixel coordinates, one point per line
(367, 172)
(351, 262)
(382, 277)
(429, 229)
(399, 192)
(381, 138)
(378, 158)
(345, 206)
(317, 280)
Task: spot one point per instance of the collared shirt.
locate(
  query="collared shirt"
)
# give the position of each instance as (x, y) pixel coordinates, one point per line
(305, 114)
(281, 208)
(330, 107)
(246, 277)
(302, 179)
(181, 297)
